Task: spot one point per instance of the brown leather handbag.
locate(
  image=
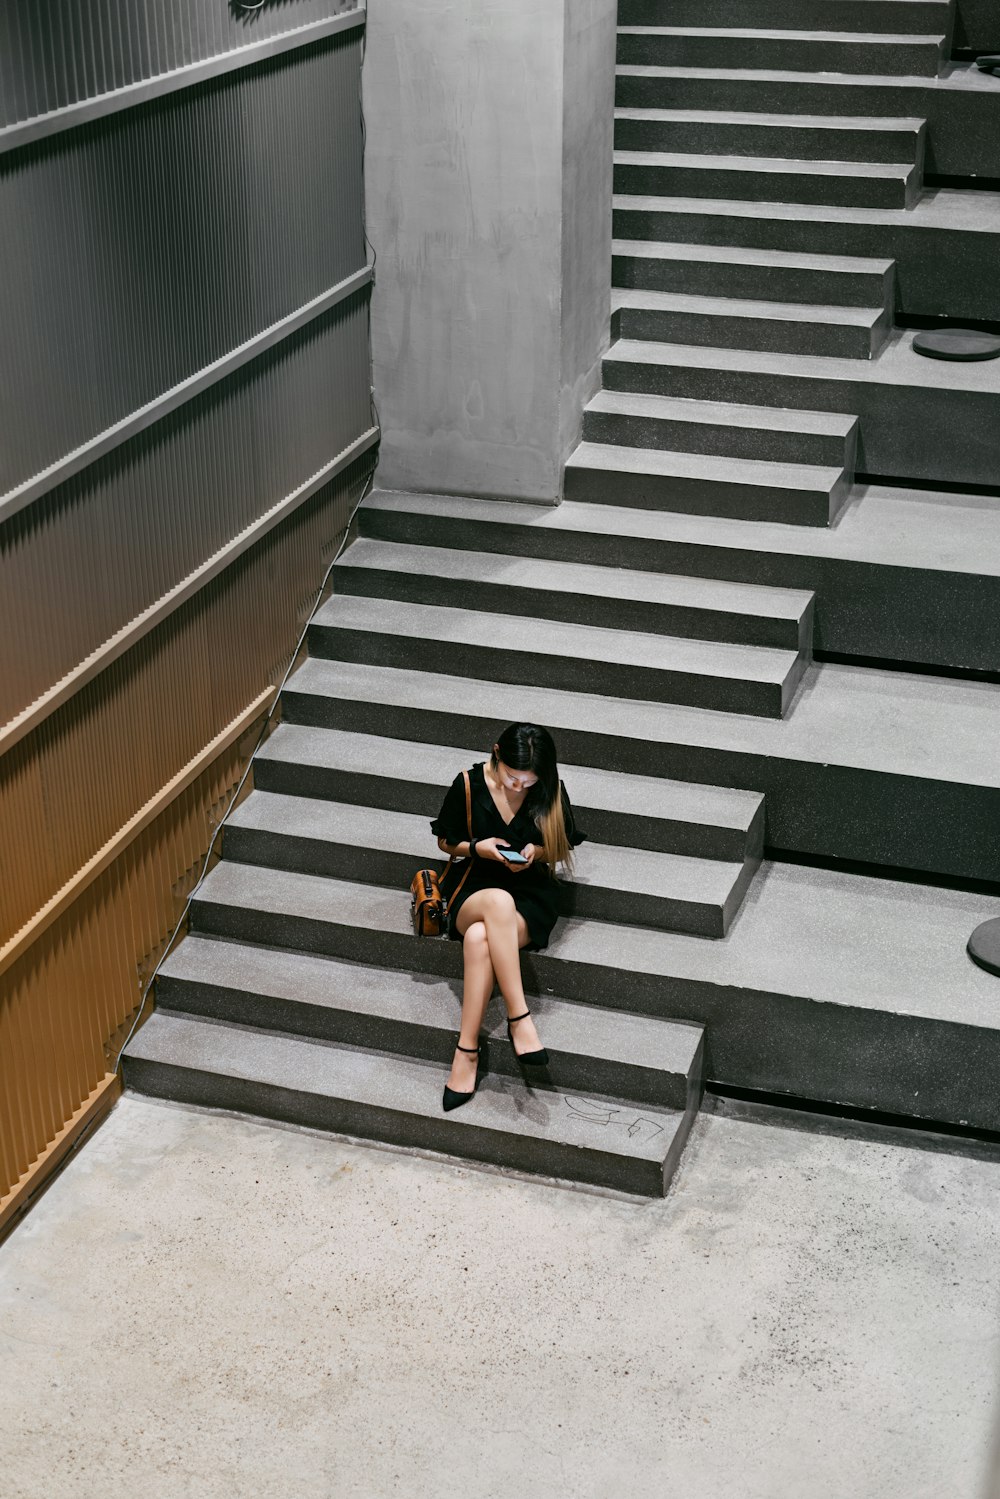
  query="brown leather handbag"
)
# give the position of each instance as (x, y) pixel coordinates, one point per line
(429, 904)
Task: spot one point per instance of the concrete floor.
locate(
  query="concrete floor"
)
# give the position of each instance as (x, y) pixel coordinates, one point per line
(205, 1306)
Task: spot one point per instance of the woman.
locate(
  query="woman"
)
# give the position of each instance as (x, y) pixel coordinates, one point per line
(518, 804)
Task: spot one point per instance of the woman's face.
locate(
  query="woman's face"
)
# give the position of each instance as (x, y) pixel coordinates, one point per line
(514, 780)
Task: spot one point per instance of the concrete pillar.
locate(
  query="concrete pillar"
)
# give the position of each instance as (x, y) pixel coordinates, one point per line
(488, 178)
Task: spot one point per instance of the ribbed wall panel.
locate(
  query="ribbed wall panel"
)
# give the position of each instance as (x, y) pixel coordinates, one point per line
(54, 53)
(65, 1001)
(140, 249)
(137, 252)
(70, 785)
(92, 555)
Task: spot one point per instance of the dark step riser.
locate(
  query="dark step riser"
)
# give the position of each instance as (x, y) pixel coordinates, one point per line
(899, 821)
(366, 1121)
(763, 187)
(760, 283)
(962, 135)
(851, 16)
(719, 440)
(904, 433)
(770, 335)
(433, 1044)
(862, 1058)
(571, 608)
(938, 270)
(569, 673)
(370, 866)
(702, 497)
(657, 834)
(862, 609)
(782, 55)
(791, 143)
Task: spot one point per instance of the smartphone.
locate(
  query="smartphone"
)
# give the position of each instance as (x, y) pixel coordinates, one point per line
(512, 856)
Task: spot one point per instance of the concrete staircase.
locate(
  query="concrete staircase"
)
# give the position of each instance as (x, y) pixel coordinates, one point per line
(300, 993)
(770, 225)
(680, 425)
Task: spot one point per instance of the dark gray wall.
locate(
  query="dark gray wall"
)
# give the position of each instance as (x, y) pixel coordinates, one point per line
(977, 24)
(54, 54)
(183, 296)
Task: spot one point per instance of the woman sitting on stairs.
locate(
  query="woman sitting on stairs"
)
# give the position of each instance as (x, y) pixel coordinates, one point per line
(520, 805)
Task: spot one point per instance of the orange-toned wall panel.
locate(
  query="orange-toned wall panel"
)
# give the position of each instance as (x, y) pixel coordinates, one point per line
(72, 785)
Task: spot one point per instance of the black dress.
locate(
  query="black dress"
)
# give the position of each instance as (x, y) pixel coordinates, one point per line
(534, 890)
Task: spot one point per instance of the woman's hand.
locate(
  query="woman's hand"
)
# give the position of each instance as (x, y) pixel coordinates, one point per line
(530, 852)
(486, 848)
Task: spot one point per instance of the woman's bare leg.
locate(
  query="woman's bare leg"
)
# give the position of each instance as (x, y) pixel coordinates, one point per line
(478, 987)
(506, 933)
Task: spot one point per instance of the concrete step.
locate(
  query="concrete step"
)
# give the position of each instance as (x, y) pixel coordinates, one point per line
(825, 439)
(884, 54)
(741, 488)
(916, 415)
(378, 1096)
(766, 179)
(897, 578)
(875, 766)
(944, 230)
(610, 597)
(738, 323)
(880, 1008)
(727, 271)
(748, 133)
(960, 105)
(340, 840)
(648, 812)
(914, 17)
(733, 678)
(633, 1057)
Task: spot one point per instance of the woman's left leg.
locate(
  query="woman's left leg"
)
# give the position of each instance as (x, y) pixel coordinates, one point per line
(476, 992)
(506, 933)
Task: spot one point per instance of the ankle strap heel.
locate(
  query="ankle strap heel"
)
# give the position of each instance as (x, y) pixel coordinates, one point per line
(453, 1097)
(538, 1058)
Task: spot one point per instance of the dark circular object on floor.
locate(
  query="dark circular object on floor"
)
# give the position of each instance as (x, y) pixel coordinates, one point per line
(984, 946)
(989, 62)
(963, 344)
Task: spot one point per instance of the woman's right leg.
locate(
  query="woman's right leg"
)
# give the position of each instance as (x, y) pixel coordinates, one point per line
(479, 981)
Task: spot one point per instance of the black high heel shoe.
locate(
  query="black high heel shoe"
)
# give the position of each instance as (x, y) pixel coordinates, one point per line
(453, 1098)
(538, 1058)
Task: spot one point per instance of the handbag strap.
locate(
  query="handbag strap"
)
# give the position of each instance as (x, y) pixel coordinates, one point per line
(468, 821)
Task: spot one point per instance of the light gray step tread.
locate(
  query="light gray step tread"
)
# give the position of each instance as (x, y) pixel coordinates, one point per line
(651, 249)
(705, 466)
(896, 364)
(381, 1080)
(420, 999)
(731, 32)
(970, 211)
(833, 123)
(740, 307)
(666, 73)
(750, 663)
(874, 944)
(882, 525)
(763, 164)
(888, 721)
(635, 871)
(577, 578)
(722, 413)
(434, 765)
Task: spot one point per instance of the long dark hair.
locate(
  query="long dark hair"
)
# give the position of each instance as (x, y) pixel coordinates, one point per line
(527, 746)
